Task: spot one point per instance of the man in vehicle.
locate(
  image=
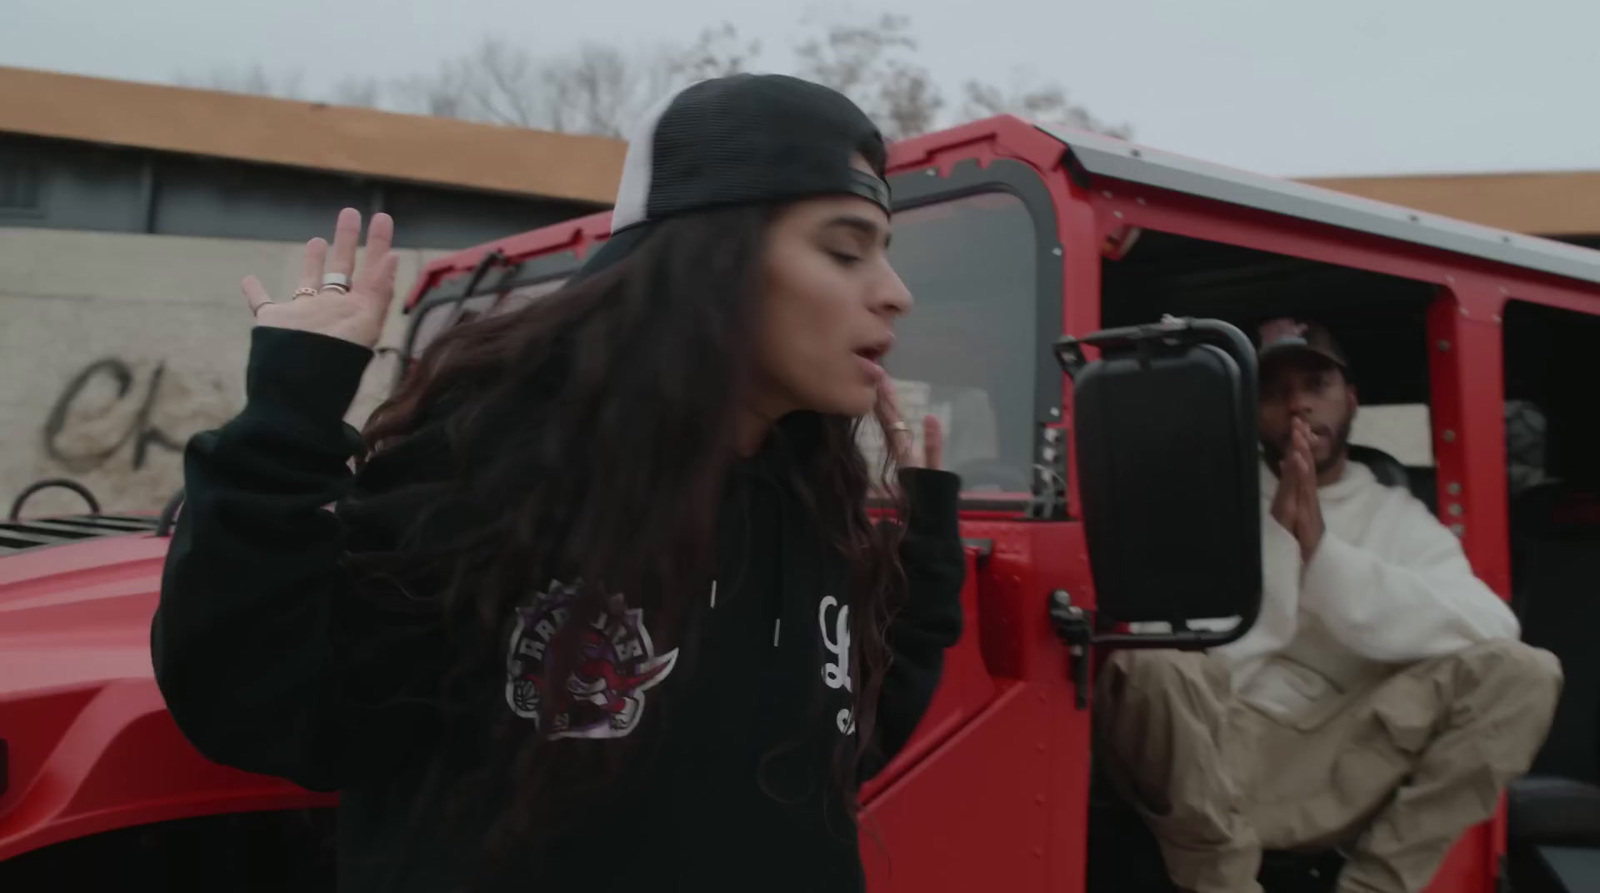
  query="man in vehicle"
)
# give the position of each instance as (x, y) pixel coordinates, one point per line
(1380, 704)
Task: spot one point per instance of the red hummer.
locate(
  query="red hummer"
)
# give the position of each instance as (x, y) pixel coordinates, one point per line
(1060, 278)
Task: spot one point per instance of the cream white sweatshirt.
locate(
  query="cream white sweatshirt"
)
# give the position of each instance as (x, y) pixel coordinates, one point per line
(1389, 585)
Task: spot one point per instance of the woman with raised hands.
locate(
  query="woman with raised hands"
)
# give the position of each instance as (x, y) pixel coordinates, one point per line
(595, 601)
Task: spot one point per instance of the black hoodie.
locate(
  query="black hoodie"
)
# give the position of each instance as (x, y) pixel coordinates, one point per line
(269, 663)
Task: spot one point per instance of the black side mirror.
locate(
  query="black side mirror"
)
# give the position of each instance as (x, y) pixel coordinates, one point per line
(1165, 435)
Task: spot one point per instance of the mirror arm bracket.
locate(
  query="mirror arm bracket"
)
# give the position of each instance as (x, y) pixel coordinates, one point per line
(1075, 627)
(1069, 349)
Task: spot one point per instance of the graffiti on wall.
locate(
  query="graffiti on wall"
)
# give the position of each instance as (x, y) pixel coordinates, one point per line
(77, 434)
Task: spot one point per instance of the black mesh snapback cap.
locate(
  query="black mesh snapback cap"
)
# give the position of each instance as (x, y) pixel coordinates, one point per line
(1286, 338)
(737, 140)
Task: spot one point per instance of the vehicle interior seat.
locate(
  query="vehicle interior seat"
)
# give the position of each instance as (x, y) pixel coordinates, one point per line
(1387, 469)
(1554, 812)
(1391, 472)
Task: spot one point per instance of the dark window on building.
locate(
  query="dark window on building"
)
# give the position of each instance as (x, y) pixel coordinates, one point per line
(19, 186)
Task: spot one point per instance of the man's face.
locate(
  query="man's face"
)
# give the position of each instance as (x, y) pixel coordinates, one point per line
(1310, 389)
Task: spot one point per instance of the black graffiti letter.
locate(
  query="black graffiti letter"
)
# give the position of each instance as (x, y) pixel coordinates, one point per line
(139, 430)
(149, 434)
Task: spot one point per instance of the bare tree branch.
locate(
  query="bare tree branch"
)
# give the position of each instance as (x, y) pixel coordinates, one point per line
(508, 88)
(908, 101)
(442, 95)
(602, 89)
(871, 64)
(361, 92)
(594, 89)
(717, 52)
(253, 80)
(848, 58)
(1045, 103)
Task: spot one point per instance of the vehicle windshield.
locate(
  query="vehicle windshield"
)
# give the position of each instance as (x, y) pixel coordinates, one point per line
(966, 354)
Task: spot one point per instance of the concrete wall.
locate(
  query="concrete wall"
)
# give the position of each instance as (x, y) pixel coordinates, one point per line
(116, 347)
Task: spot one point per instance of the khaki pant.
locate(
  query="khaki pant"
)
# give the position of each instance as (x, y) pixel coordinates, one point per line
(1396, 772)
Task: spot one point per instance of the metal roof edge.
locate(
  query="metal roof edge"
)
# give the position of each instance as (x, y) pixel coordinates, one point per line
(1110, 157)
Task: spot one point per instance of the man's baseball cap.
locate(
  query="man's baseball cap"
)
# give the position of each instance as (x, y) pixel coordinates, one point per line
(1283, 339)
(741, 139)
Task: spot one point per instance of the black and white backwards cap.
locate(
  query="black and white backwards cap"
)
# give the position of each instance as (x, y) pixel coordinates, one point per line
(743, 139)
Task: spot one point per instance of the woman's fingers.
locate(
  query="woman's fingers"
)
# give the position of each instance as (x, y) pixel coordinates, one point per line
(932, 443)
(255, 294)
(896, 433)
(386, 273)
(346, 238)
(311, 265)
(381, 286)
(380, 236)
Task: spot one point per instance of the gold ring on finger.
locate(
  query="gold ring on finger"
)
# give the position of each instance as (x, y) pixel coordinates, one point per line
(901, 427)
(304, 291)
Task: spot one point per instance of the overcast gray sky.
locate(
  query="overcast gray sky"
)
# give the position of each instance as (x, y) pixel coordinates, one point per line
(1288, 87)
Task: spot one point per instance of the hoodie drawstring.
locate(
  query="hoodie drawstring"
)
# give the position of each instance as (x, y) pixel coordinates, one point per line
(782, 598)
(759, 473)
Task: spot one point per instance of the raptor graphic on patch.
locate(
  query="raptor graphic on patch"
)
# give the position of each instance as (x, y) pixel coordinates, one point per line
(617, 663)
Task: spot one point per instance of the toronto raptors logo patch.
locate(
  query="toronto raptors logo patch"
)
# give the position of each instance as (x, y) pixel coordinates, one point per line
(616, 664)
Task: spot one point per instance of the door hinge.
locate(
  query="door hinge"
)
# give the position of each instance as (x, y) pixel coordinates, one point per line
(1049, 493)
(1075, 628)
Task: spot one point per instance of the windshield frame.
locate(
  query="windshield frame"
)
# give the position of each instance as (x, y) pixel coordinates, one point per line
(921, 187)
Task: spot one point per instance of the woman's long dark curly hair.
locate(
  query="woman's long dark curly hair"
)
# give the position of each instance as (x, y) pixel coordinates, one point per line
(589, 438)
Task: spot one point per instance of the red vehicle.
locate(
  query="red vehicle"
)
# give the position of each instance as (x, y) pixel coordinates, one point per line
(1020, 244)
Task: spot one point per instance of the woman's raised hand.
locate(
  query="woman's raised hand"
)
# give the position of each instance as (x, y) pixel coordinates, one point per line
(333, 297)
(897, 433)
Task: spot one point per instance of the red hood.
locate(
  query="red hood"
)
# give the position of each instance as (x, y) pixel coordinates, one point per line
(89, 744)
(78, 614)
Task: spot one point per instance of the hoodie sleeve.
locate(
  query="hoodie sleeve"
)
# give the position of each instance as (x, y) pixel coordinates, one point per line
(930, 620)
(1418, 598)
(243, 638)
(1276, 625)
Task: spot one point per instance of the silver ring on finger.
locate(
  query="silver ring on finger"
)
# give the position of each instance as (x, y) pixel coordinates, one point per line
(902, 427)
(338, 282)
(304, 291)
